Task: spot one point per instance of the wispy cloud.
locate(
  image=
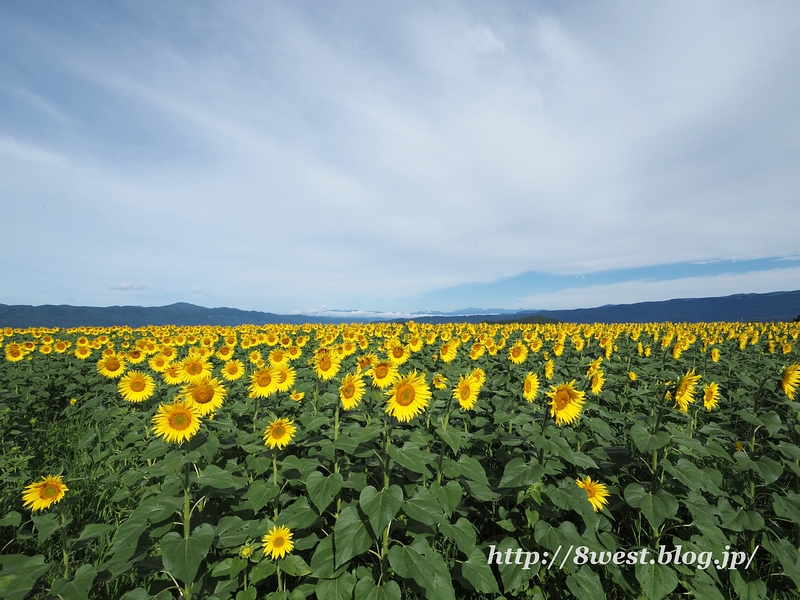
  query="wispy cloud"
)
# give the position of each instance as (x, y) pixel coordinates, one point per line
(128, 287)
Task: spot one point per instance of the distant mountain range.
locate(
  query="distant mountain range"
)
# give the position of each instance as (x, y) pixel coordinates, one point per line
(775, 306)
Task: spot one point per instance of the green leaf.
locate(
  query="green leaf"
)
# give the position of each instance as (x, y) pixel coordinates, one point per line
(13, 519)
(585, 584)
(294, 565)
(748, 590)
(298, 515)
(182, 557)
(481, 492)
(634, 494)
(323, 565)
(770, 470)
(462, 532)
(219, 479)
(412, 458)
(645, 441)
(259, 493)
(424, 507)
(659, 507)
(94, 530)
(262, 570)
(388, 591)
(381, 507)
(472, 470)
(449, 496)
(20, 574)
(340, 588)
(518, 473)
(656, 580)
(425, 566)
(322, 490)
(350, 535)
(452, 437)
(233, 531)
(46, 525)
(78, 588)
(478, 572)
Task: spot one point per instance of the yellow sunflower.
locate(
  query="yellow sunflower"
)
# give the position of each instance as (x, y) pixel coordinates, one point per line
(549, 369)
(233, 370)
(351, 391)
(448, 351)
(14, 353)
(383, 374)
(598, 379)
(194, 368)
(263, 383)
(711, 396)
(530, 387)
(206, 394)
(791, 380)
(285, 376)
(684, 393)
(596, 491)
(171, 375)
(518, 353)
(327, 366)
(466, 392)
(42, 494)
(159, 363)
(177, 422)
(566, 402)
(112, 366)
(398, 353)
(278, 542)
(136, 386)
(408, 397)
(439, 382)
(479, 375)
(279, 433)
(83, 352)
(297, 396)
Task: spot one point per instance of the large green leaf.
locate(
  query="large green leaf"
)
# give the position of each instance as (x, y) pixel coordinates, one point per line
(323, 562)
(340, 588)
(425, 566)
(424, 507)
(478, 572)
(518, 473)
(462, 532)
(78, 588)
(182, 557)
(645, 441)
(381, 507)
(20, 574)
(351, 535)
(656, 580)
(322, 490)
(412, 458)
(585, 584)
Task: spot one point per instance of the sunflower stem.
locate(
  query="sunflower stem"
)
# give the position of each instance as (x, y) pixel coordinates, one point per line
(275, 466)
(445, 420)
(64, 542)
(187, 518)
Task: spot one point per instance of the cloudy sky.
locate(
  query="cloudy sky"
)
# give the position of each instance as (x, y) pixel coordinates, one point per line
(305, 156)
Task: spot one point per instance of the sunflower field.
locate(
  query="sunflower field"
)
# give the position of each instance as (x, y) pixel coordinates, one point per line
(401, 461)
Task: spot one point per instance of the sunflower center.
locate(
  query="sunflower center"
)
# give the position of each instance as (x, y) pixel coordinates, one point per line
(590, 492)
(464, 391)
(561, 399)
(49, 491)
(180, 420)
(112, 364)
(277, 356)
(278, 542)
(528, 386)
(194, 369)
(203, 394)
(233, 369)
(283, 375)
(264, 380)
(405, 394)
(278, 431)
(516, 351)
(381, 371)
(349, 390)
(137, 385)
(325, 364)
(397, 352)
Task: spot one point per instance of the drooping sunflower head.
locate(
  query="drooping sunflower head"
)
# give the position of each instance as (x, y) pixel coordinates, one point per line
(278, 542)
(42, 494)
(685, 390)
(279, 433)
(136, 386)
(566, 403)
(177, 422)
(791, 380)
(408, 397)
(597, 492)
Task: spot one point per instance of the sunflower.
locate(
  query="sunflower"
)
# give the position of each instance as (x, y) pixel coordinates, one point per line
(194, 368)
(326, 366)
(439, 382)
(263, 383)
(278, 357)
(279, 433)
(233, 370)
(40, 495)
(549, 369)
(136, 386)
(206, 394)
(177, 422)
(466, 392)
(171, 375)
(399, 354)
(631, 375)
(112, 366)
(598, 379)
(83, 352)
(408, 397)
(297, 396)
(530, 387)
(596, 491)
(791, 380)
(479, 375)
(711, 396)
(684, 393)
(14, 353)
(285, 376)
(352, 390)
(448, 351)
(278, 542)
(224, 353)
(367, 361)
(518, 353)
(566, 402)
(383, 374)
(477, 350)
(159, 363)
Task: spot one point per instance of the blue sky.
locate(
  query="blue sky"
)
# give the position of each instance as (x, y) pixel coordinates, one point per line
(398, 156)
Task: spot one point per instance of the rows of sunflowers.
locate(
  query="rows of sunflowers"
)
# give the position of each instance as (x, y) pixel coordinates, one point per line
(389, 461)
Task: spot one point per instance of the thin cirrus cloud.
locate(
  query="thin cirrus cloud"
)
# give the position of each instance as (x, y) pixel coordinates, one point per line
(397, 158)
